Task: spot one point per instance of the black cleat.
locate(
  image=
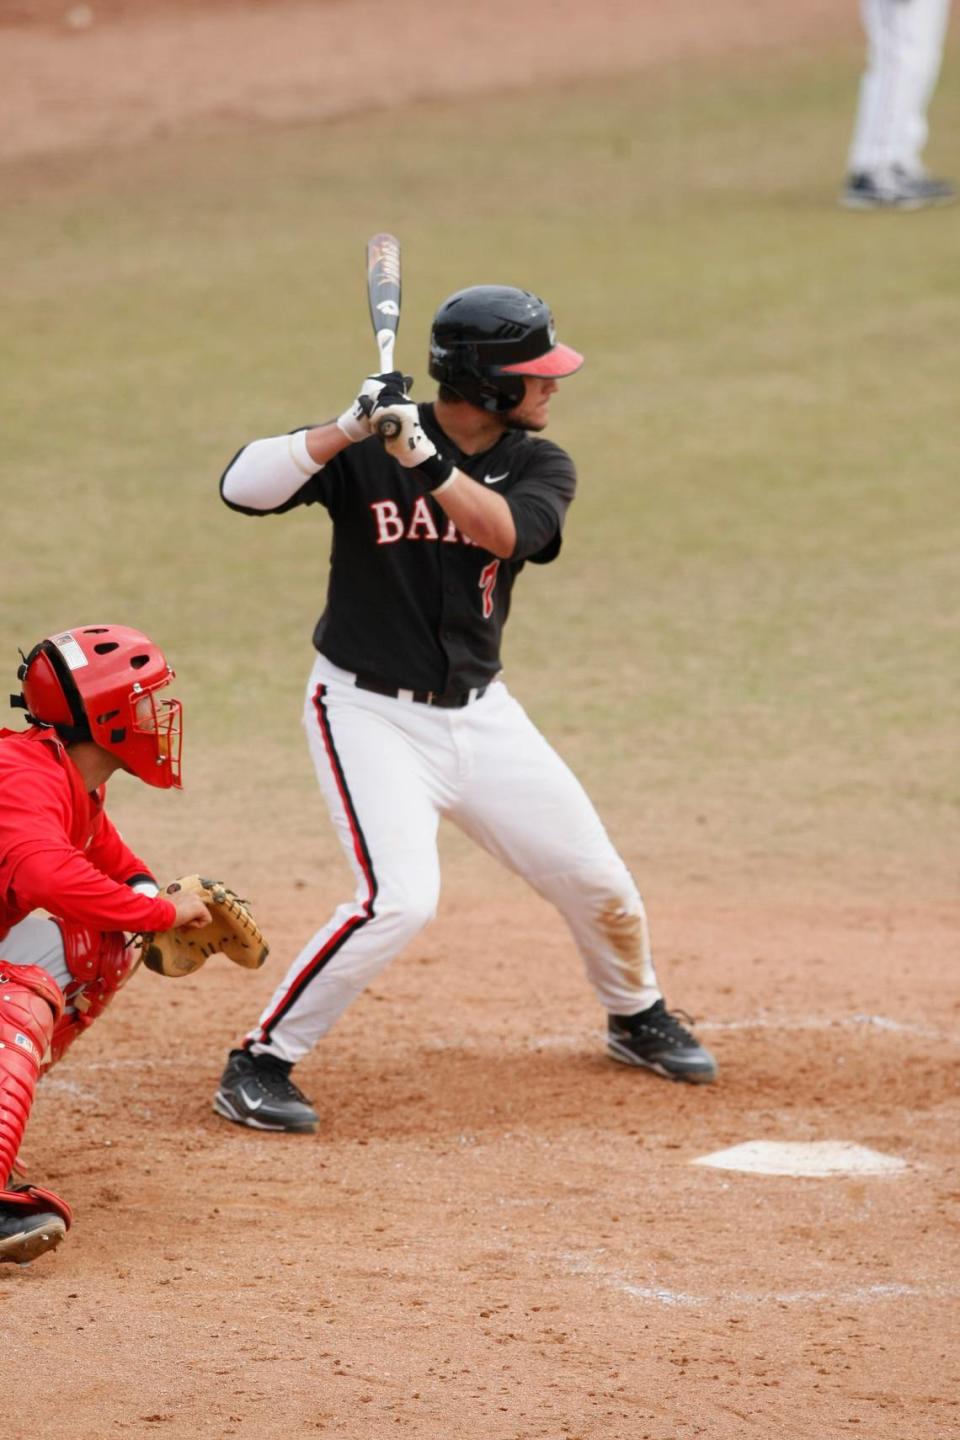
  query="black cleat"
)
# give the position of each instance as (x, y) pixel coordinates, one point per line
(656, 1040)
(26, 1234)
(256, 1090)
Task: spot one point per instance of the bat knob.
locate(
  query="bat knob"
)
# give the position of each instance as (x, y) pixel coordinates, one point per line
(388, 428)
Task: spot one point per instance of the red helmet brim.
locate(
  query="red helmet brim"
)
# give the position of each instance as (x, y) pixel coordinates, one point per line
(559, 361)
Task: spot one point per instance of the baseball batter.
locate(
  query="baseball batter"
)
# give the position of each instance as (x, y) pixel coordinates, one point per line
(91, 699)
(905, 40)
(407, 716)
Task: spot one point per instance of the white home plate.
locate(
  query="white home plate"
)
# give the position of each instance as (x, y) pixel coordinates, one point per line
(796, 1157)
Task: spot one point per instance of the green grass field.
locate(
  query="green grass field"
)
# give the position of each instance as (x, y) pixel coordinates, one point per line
(754, 619)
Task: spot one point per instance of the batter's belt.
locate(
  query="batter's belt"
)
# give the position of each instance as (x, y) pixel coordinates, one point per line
(450, 700)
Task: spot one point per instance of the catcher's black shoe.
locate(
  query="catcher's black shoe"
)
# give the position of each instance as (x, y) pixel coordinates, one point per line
(256, 1090)
(26, 1234)
(657, 1040)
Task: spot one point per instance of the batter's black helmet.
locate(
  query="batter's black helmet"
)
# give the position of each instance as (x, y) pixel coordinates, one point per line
(485, 339)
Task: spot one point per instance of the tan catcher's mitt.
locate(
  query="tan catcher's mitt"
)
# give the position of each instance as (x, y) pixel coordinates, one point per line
(232, 932)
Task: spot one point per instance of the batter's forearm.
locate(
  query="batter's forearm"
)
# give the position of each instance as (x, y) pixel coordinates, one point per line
(325, 441)
(480, 514)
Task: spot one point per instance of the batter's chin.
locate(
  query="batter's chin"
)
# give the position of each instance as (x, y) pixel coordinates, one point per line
(514, 423)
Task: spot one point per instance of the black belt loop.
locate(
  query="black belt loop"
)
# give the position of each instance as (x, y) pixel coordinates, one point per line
(454, 700)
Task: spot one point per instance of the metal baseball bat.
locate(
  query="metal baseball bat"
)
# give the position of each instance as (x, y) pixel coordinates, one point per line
(383, 295)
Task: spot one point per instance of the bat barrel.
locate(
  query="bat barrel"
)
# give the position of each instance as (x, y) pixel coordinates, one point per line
(383, 286)
(383, 294)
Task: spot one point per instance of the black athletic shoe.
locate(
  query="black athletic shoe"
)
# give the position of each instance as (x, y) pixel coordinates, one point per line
(256, 1090)
(657, 1040)
(896, 189)
(24, 1234)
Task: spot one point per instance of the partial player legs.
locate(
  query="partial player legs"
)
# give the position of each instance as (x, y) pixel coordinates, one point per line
(31, 1220)
(388, 769)
(46, 964)
(37, 940)
(540, 822)
(524, 805)
(905, 45)
(384, 794)
(383, 791)
(78, 960)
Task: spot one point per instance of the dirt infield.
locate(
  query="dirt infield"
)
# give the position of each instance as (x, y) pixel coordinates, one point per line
(120, 71)
(499, 1233)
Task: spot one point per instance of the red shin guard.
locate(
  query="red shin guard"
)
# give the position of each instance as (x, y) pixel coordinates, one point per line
(30, 1005)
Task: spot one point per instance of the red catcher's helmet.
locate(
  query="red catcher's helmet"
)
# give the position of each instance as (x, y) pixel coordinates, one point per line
(99, 683)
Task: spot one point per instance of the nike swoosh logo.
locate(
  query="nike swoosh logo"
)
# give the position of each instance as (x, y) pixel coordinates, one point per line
(254, 1104)
(492, 479)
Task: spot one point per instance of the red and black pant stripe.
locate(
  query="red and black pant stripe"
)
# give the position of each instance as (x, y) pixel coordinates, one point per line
(338, 939)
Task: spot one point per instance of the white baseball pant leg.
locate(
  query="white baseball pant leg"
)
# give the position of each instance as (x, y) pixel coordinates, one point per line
(384, 792)
(388, 769)
(905, 41)
(524, 805)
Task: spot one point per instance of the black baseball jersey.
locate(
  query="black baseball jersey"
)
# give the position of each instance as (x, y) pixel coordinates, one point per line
(411, 600)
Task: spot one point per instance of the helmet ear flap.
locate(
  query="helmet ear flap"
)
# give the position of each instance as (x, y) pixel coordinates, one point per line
(494, 394)
(50, 693)
(509, 391)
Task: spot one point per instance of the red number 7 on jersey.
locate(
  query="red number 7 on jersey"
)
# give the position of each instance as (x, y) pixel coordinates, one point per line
(487, 583)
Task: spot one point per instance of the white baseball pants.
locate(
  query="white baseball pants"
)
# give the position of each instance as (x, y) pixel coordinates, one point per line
(389, 768)
(905, 40)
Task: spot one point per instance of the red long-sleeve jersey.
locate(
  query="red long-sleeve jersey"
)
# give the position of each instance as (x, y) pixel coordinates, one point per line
(59, 850)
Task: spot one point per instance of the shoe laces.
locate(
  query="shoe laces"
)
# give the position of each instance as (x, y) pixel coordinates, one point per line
(666, 1023)
(675, 1030)
(275, 1078)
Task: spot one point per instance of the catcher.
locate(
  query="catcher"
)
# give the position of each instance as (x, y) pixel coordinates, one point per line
(91, 697)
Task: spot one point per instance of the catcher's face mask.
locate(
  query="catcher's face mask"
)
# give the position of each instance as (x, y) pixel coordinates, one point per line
(99, 683)
(153, 752)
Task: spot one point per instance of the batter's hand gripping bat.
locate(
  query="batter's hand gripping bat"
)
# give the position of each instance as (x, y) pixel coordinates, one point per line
(383, 293)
